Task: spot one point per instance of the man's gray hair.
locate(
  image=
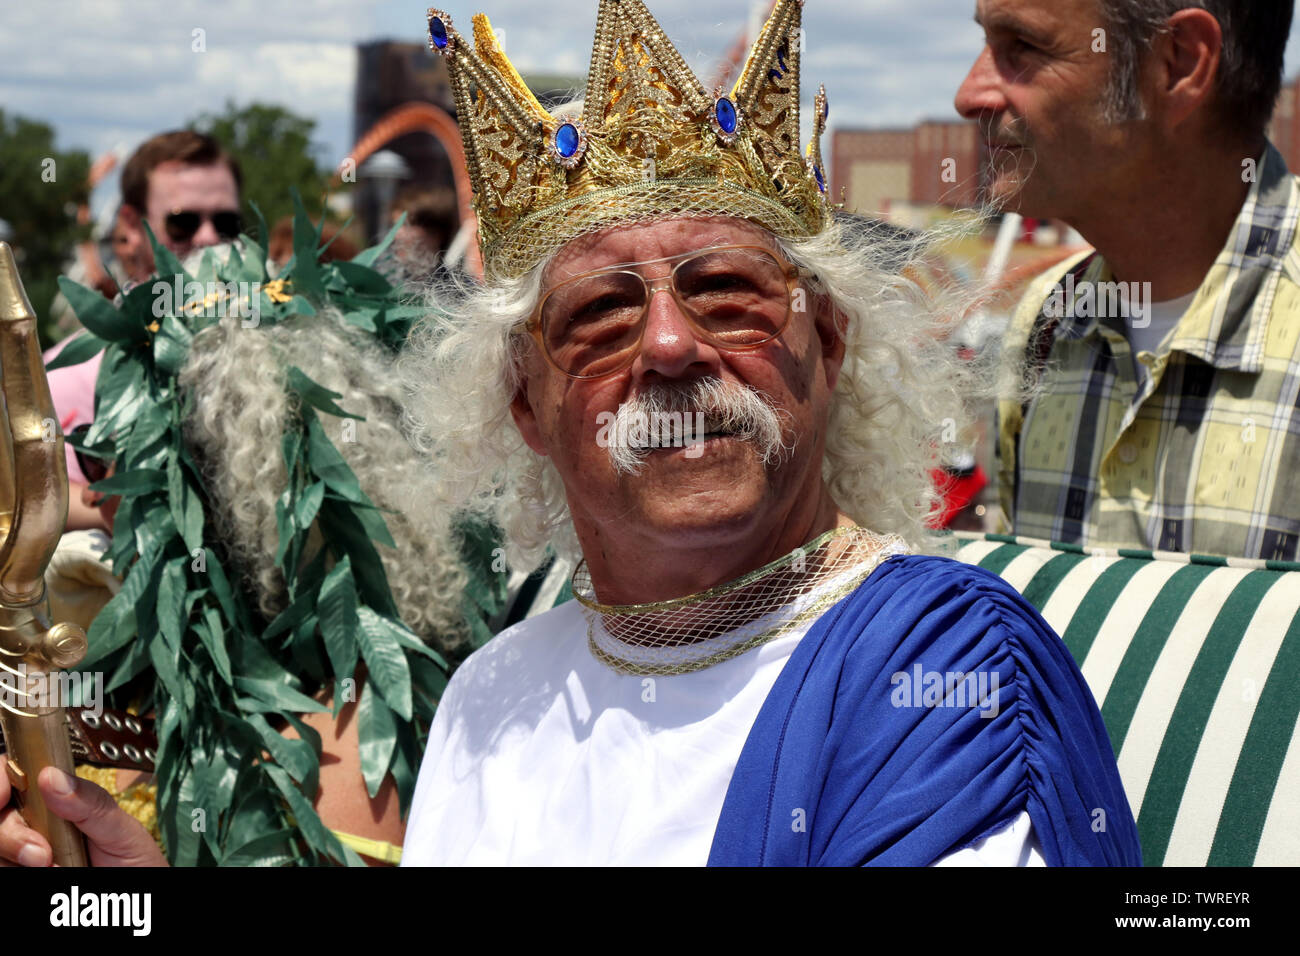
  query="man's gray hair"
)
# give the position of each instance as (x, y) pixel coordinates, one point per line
(1255, 34)
(901, 388)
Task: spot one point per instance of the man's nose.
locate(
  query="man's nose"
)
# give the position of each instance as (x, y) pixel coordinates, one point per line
(206, 236)
(669, 345)
(980, 93)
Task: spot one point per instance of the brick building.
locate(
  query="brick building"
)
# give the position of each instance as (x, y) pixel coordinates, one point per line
(934, 162)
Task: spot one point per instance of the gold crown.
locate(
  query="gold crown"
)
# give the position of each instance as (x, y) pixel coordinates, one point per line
(650, 143)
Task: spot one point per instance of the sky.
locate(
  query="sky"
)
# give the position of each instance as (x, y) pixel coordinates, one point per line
(106, 74)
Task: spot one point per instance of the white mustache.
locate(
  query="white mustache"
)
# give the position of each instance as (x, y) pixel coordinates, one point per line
(726, 409)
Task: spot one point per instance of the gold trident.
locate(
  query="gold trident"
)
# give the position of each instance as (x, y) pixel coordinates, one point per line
(33, 510)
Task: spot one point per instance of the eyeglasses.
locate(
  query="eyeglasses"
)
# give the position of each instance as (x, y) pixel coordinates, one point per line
(182, 224)
(95, 469)
(735, 298)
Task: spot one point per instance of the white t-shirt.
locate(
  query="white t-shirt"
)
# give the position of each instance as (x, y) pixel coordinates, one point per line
(542, 755)
(1145, 333)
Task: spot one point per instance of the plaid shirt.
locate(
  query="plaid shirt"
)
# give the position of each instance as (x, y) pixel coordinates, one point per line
(1201, 451)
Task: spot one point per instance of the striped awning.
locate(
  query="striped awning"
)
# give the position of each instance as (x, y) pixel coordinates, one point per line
(1195, 664)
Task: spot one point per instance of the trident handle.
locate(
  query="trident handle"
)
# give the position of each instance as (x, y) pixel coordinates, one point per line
(33, 510)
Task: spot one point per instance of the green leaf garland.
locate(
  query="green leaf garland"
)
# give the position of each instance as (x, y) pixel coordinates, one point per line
(182, 639)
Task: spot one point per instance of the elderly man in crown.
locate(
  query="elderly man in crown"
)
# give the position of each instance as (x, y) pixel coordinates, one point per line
(684, 372)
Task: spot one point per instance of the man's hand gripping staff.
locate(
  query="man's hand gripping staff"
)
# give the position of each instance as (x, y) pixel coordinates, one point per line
(33, 509)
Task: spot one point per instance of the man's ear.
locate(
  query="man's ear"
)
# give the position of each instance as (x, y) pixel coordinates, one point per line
(832, 329)
(1188, 57)
(521, 410)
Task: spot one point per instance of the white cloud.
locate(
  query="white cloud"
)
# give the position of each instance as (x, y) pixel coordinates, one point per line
(111, 72)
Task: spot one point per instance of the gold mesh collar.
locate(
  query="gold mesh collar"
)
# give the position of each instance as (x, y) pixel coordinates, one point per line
(651, 141)
(697, 631)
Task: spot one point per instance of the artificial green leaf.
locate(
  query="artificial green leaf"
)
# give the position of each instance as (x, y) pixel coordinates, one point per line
(364, 319)
(257, 245)
(135, 660)
(185, 837)
(153, 530)
(171, 345)
(404, 768)
(287, 619)
(186, 509)
(411, 641)
(309, 822)
(305, 647)
(166, 265)
(311, 780)
(429, 679)
(171, 602)
(299, 305)
(362, 279)
(338, 619)
(118, 399)
(258, 810)
(295, 756)
(284, 527)
(213, 638)
(317, 396)
(98, 315)
(378, 736)
(165, 662)
(368, 257)
(151, 423)
(309, 504)
(268, 849)
(341, 527)
(221, 588)
(115, 632)
(373, 521)
(137, 482)
(385, 660)
(80, 348)
(305, 270)
(290, 446)
(278, 694)
(329, 465)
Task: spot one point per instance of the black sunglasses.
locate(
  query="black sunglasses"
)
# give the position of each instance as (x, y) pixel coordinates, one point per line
(183, 224)
(94, 468)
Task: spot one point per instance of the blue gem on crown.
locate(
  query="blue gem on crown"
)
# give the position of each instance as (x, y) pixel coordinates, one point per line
(440, 38)
(568, 143)
(725, 117)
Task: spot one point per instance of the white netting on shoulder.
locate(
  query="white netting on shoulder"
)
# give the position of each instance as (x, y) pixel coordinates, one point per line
(697, 631)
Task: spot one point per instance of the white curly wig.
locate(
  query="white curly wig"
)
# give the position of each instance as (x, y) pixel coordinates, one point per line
(902, 387)
(241, 408)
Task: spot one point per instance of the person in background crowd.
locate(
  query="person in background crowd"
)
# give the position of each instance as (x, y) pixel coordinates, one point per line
(1167, 361)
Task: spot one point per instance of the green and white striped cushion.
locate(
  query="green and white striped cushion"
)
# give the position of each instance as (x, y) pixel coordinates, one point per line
(1195, 664)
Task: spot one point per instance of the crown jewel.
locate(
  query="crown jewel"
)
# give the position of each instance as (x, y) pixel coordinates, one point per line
(650, 142)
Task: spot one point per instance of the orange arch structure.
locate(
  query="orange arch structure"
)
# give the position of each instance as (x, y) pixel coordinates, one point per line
(88, 251)
(424, 118)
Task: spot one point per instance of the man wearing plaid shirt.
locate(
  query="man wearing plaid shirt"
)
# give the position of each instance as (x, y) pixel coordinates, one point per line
(1167, 363)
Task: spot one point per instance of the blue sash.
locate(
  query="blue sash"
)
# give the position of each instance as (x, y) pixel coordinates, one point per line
(922, 713)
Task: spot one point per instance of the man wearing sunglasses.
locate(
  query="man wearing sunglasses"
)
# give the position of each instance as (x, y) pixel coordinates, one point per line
(186, 187)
